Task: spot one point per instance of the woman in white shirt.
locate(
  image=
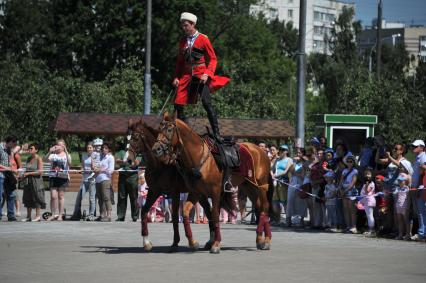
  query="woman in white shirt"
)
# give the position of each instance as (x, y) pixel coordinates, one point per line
(60, 161)
(103, 183)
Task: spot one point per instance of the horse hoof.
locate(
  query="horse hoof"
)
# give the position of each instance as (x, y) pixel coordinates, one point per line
(208, 246)
(195, 246)
(173, 249)
(148, 247)
(215, 250)
(265, 247)
(260, 246)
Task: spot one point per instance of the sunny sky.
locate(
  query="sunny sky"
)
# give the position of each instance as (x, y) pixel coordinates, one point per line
(407, 11)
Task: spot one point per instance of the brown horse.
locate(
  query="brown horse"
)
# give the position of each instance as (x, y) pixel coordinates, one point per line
(161, 179)
(178, 144)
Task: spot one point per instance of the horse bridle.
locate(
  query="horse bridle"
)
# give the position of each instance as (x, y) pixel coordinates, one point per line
(166, 143)
(167, 129)
(137, 136)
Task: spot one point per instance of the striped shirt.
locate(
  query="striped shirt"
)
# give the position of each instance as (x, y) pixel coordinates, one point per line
(4, 157)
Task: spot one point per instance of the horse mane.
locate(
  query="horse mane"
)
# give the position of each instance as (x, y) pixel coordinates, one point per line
(181, 124)
(151, 130)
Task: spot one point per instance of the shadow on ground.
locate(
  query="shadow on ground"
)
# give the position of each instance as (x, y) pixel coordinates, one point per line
(155, 250)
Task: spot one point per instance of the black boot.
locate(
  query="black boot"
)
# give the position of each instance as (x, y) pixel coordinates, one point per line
(211, 114)
(181, 113)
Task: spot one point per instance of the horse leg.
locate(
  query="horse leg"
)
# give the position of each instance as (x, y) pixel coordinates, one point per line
(175, 220)
(204, 202)
(264, 221)
(150, 199)
(215, 249)
(189, 204)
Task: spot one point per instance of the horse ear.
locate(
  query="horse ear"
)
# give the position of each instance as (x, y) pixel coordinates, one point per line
(130, 123)
(174, 116)
(165, 115)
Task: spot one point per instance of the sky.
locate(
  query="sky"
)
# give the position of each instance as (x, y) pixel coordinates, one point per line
(407, 11)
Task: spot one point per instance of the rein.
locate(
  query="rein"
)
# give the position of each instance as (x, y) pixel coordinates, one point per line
(174, 154)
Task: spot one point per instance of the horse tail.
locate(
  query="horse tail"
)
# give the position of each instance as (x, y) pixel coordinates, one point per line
(227, 202)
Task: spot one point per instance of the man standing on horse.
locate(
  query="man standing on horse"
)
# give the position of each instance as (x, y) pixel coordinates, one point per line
(195, 72)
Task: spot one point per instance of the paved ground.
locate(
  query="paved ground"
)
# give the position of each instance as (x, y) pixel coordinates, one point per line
(111, 252)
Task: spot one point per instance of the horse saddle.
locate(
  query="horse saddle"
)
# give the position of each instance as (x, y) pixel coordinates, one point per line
(226, 154)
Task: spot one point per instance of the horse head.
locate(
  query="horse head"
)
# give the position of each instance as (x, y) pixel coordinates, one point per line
(165, 148)
(140, 138)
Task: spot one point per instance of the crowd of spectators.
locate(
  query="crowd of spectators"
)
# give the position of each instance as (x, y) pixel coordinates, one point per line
(379, 192)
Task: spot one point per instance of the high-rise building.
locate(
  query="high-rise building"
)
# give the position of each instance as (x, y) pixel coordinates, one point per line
(320, 17)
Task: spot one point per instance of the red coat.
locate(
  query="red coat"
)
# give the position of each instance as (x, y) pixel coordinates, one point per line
(196, 61)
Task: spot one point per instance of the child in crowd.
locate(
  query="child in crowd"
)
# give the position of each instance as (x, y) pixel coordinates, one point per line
(384, 207)
(142, 190)
(330, 201)
(402, 209)
(329, 163)
(368, 200)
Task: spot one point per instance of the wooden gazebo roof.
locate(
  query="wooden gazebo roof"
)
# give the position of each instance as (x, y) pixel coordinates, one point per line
(116, 125)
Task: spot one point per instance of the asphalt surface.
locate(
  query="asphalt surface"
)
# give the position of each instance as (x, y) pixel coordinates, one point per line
(112, 252)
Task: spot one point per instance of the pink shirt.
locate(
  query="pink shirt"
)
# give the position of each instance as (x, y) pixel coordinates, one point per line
(401, 198)
(367, 193)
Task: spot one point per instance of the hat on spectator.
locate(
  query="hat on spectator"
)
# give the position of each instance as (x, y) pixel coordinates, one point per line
(349, 157)
(328, 150)
(284, 147)
(418, 143)
(380, 178)
(402, 177)
(315, 141)
(188, 17)
(98, 141)
(329, 174)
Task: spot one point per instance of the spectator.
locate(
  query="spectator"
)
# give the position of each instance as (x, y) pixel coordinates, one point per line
(366, 159)
(282, 167)
(200, 215)
(318, 184)
(341, 151)
(384, 205)
(263, 147)
(87, 185)
(231, 217)
(395, 164)
(295, 205)
(309, 159)
(60, 161)
(402, 207)
(419, 167)
(7, 177)
(347, 191)
(142, 189)
(127, 185)
(329, 163)
(330, 196)
(380, 149)
(16, 164)
(368, 200)
(323, 142)
(315, 143)
(103, 183)
(340, 166)
(273, 154)
(33, 197)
